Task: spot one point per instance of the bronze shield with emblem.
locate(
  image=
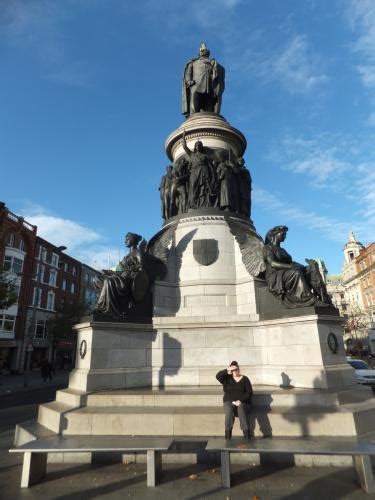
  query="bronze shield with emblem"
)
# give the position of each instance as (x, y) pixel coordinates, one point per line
(205, 251)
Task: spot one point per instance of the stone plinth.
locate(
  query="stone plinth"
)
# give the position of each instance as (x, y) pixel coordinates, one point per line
(112, 356)
(191, 289)
(290, 352)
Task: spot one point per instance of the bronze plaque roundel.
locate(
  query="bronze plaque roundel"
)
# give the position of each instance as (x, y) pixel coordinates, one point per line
(82, 348)
(332, 342)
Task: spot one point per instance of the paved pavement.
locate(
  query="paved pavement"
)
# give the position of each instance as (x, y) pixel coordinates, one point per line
(10, 384)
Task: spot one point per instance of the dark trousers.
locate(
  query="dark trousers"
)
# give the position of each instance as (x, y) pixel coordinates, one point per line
(232, 411)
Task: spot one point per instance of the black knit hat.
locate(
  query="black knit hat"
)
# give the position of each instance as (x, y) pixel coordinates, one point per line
(233, 363)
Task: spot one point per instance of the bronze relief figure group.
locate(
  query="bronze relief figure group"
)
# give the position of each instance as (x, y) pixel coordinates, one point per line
(203, 178)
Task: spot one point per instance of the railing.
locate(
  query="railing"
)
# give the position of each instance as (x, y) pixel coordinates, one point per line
(15, 218)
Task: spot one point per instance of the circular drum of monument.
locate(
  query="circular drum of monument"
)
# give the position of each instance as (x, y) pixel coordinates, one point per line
(212, 129)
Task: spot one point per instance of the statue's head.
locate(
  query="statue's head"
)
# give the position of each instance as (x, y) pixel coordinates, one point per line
(276, 233)
(132, 239)
(203, 50)
(198, 146)
(241, 162)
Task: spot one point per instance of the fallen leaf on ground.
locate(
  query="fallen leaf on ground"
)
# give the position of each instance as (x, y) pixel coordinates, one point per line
(193, 476)
(213, 471)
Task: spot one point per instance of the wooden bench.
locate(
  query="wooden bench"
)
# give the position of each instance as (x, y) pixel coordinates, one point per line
(35, 452)
(360, 449)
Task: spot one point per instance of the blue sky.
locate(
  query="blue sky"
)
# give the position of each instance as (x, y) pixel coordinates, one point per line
(90, 89)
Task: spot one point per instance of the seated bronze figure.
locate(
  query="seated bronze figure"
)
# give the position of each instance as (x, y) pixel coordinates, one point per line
(121, 289)
(294, 284)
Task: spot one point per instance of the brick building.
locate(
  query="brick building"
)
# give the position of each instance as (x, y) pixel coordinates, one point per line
(46, 278)
(365, 262)
(17, 248)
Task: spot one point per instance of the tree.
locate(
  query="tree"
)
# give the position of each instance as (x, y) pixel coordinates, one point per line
(60, 327)
(67, 315)
(356, 327)
(8, 291)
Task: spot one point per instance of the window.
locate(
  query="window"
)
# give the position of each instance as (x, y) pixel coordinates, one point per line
(351, 255)
(72, 288)
(55, 260)
(74, 270)
(37, 296)
(7, 322)
(52, 277)
(40, 331)
(12, 264)
(87, 277)
(66, 267)
(64, 284)
(10, 240)
(44, 254)
(50, 300)
(341, 296)
(21, 245)
(39, 275)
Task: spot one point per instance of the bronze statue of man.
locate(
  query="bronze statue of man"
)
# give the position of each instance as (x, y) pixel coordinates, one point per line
(202, 84)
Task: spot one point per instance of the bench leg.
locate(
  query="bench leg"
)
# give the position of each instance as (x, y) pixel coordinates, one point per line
(225, 468)
(153, 467)
(362, 464)
(34, 468)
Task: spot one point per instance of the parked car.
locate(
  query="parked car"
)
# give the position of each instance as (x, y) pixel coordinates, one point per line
(365, 375)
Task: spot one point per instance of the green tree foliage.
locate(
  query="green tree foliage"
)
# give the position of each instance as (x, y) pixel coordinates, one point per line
(8, 293)
(67, 315)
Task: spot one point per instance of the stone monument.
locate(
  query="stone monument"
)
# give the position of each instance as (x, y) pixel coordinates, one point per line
(204, 290)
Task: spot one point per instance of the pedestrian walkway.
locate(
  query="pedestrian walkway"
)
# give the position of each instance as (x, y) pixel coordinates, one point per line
(10, 384)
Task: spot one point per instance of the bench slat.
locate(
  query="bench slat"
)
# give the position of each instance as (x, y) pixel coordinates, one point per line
(71, 444)
(319, 445)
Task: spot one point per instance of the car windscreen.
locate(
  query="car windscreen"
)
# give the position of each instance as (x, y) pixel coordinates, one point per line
(358, 364)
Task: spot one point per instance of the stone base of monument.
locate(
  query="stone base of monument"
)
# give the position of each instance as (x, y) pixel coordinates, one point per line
(159, 379)
(192, 414)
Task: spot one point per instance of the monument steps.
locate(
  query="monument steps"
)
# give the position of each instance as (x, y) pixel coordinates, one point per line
(197, 411)
(208, 421)
(211, 396)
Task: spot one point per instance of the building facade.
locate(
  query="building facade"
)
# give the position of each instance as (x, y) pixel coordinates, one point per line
(45, 278)
(366, 274)
(353, 291)
(17, 248)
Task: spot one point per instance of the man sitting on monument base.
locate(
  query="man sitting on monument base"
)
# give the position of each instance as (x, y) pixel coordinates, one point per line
(237, 398)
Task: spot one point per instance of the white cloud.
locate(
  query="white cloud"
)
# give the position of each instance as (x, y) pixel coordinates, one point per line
(366, 188)
(83, 243)
(331, 228)
(61, 231)
(361, 18)
(319, 159)
(297, 67)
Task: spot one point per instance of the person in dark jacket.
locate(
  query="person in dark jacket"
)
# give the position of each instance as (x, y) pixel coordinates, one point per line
(237, 398)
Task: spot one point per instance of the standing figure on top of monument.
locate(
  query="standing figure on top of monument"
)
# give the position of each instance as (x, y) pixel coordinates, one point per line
(243, 188)
(202, 84)
(180, 178)
(201, 175)
(286, 279)
(165, 192)
(225, 175)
